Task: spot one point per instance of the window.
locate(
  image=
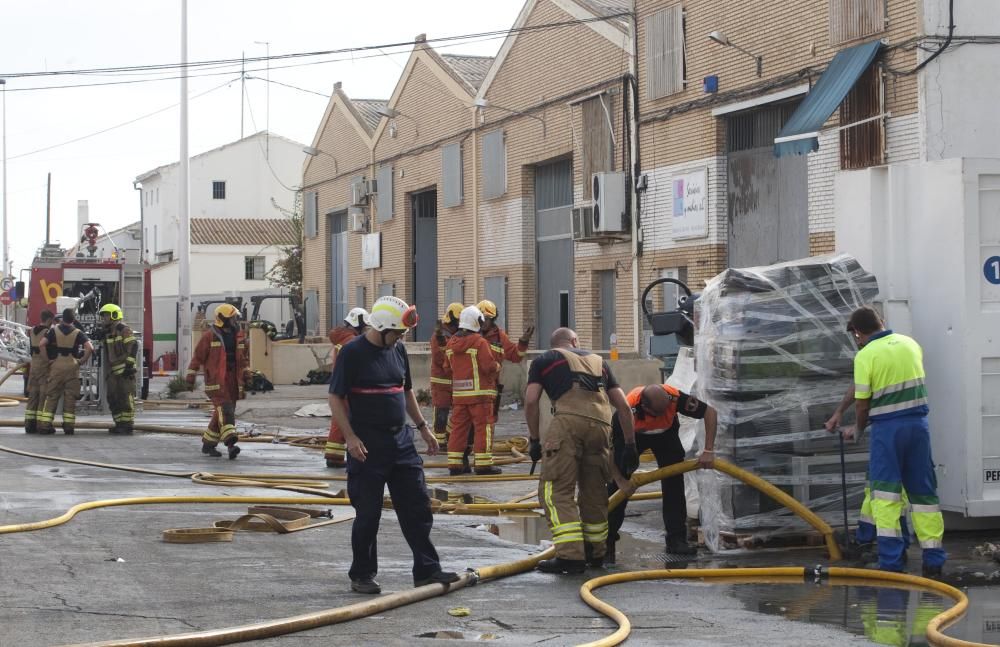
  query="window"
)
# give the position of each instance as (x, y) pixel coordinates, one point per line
(853, 19)
(665, 52)
(311, 216)
(157, 201)
(254, 266)
(451, 175)
(218, 190)
(494, 157)
(598, 151)
(861, 144)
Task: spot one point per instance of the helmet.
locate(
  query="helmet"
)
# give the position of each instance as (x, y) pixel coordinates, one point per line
(113, 310)
(452, 313)
(392, 313)
(471, 319)
(225, 311)
(356, 317)
(488, 308)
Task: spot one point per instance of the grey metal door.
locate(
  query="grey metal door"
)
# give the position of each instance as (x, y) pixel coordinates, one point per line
(768, 207)
(608, 327)
(553, 247)
(338, 268)
(425, 281)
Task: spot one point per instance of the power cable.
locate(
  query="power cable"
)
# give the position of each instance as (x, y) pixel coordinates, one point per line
(262, 152)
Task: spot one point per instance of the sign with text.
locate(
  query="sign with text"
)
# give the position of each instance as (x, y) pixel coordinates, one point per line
(690, 205)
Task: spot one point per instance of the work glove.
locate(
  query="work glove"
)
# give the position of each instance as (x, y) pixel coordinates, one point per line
(129, 373)
(526, 337)
(535, 450)
(630, 459)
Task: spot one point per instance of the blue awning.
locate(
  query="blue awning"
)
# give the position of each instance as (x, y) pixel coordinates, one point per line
(799, 134)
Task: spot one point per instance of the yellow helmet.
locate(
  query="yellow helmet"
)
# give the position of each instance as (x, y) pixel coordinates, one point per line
(225, 311)
(114, 311)
(488, 308)
(452, 313)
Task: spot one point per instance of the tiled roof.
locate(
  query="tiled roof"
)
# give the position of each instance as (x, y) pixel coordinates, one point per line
(472, 69)
(368, 110)
(242, 231)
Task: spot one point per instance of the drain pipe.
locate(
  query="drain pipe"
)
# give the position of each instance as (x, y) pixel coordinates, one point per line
(475, 206)
(633, 126)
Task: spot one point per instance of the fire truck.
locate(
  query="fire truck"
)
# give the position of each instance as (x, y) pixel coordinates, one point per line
(86, 281)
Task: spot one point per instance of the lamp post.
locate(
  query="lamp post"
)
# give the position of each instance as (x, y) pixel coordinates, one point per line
(3, 82)
(721, 39)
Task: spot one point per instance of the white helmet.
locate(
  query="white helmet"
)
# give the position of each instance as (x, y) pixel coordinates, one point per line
(392, 313)
(356, 317)
(470, 319)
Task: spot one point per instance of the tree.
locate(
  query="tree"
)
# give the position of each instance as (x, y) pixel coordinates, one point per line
(287, 271)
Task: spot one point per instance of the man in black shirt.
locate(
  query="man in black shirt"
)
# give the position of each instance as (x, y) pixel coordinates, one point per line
(577, 448)
(371, 393)
(67, 348)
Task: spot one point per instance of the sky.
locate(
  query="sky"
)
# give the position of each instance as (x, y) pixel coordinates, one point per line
(60, 35)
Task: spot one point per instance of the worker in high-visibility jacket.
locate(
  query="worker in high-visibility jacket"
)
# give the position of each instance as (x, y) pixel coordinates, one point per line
(474, 372)
(446, 326)
(890, 389)
(38, 372)
(503, 348)
(222, 354)
(119, 353)
(335, 451)
(67, 347)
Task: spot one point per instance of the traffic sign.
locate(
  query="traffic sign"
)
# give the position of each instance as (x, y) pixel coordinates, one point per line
(6, 283)
(5, 298)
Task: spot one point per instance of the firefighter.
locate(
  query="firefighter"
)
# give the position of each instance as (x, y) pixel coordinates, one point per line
(120, 348)
(222, 354)
(67, 347)
(38, 372)
(354, 325)
(503, 347)
(474, 371)
(582, 390)
(654, 410)
(889, 386)
(446, 326)
(371, 393)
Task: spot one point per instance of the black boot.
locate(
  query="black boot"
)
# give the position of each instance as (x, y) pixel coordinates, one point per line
(489, 470)
(210, 450)
(121, 429)
(46, 429)
(595, 562)
(69, 430)
(561, 566)
(30, 427)
(680, 546)
(234, 449)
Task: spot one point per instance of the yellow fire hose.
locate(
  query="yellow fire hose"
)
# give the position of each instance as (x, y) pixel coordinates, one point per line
(351, 612)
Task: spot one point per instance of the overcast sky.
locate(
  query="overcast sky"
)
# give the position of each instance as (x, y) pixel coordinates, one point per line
(73, 35)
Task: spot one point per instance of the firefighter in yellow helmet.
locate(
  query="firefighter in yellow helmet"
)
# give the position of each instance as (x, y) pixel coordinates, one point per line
(118, 359)
(503, 348)
(222, 354)
(446, 326)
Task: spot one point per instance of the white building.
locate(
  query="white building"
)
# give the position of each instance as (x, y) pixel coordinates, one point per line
(241, 196)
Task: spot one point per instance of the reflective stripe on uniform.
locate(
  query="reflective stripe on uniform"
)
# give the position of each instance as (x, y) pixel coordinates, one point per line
(440, 380)
(549, 505)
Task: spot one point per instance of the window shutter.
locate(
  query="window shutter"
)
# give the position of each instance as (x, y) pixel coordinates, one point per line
(454, 290)
(383, 203)
(494, 165)
(665, 52)
(496, 291)
(311, 206)
(451, 175)
(853, 19)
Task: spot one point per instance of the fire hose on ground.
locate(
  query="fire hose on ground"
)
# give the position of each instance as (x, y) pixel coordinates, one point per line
(354, 611)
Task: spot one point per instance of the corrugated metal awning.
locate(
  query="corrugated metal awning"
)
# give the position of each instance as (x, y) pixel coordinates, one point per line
(800, 133)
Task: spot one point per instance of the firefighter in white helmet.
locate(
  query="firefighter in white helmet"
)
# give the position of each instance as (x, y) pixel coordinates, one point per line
(371, 393)
(354, 324)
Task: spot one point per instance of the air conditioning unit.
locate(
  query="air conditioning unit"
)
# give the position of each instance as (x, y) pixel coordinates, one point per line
(359, 193)
(609, 203)
(372, 186)
(583, 222)
(358, 219)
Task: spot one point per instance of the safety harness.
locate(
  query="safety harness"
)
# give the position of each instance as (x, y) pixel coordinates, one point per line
(587, 397)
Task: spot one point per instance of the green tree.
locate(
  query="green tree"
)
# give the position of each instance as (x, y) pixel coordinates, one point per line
(287, 271)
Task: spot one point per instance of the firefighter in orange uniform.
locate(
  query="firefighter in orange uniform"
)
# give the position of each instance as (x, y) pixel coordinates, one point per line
(503, 347)
(440, 374)
(474, 372)
(354, 325)
(222, 354)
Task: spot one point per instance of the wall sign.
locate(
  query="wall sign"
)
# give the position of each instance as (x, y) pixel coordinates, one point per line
(690, 205)
(991, 270)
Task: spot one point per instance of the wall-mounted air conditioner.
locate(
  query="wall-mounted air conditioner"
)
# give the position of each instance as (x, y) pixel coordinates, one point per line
(583, 222)
(358, 218)
(609, 203)
(359, 193)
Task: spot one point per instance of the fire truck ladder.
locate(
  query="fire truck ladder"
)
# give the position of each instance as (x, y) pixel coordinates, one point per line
(15, 342)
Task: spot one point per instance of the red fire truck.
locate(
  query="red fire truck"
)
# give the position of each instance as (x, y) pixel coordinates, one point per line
(93, 281)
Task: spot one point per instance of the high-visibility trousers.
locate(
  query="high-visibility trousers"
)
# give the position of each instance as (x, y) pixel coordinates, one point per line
(901, 458)
(37, 379)
(480, 417)
(222, 426)
(442, 425)
(63, 384)
(121, 398)
(335, 449)
(575, 455)
(865, 532)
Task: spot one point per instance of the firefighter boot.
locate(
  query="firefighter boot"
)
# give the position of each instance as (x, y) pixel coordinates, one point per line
(595, 562)
(69, 430)
(488, 471)
(561, 566)
(234, 449)
(121, 429)
(30, 427)
(210, 450)
(46, 428)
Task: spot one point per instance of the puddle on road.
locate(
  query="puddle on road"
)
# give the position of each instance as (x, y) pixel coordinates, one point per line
(458, 635)
(885, 616)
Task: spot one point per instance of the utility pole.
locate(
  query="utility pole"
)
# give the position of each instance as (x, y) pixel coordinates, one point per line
(48, 208)
(243, 87)
(267, 119)
(184, 232)
(3, 82)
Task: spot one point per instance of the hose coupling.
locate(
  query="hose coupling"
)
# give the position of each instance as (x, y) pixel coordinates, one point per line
(819, 574)
(473, 576)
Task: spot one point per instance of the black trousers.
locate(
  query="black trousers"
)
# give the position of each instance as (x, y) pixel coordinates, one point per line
(392, 460)
(667, 449)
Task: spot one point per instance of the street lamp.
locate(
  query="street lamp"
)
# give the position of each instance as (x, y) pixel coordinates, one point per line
(481, 102)
(3, 270)
(392, 114)
(721, 39)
